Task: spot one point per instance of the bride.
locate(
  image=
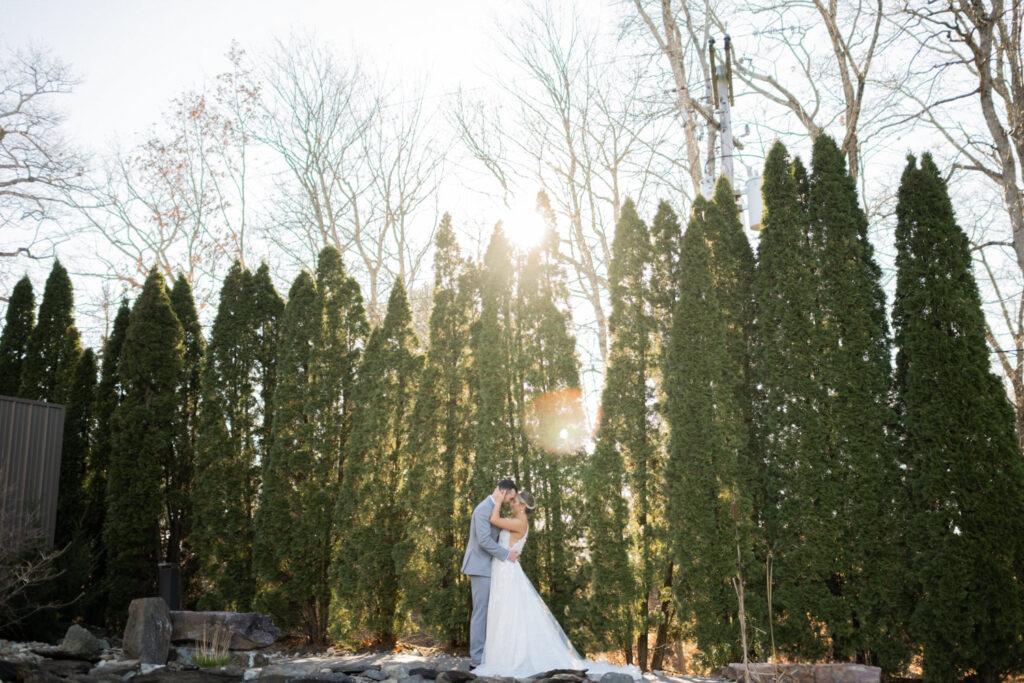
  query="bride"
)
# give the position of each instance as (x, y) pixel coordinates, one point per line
(523, 637)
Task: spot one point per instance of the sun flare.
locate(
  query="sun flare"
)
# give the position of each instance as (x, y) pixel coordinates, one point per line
(523, 224)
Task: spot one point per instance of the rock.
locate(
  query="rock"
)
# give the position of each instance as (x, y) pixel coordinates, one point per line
(399, 672)
(249, 630)
(415, 678)
(374, 675)
(423, 672)
(338, 677)
(117, 668)
(614, 677)
(147, 636)
(166, 675)
(65, 668)
(251, 674)
(846, 673)
(78, 641)
(352, 668)
(289, 670)
(454, 676)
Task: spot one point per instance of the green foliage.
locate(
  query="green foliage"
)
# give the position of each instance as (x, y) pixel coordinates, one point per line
(231, 439)
(322, 335)
(179, 473)
(440, 453)
(624, 456)
(496, 447)
(964, 470)
(79, 418)
(824, 416)
(546, 362)
(372, 511)
(146, 427)
(109, 394)
(18, 324)
(53, 347)
(709, 476)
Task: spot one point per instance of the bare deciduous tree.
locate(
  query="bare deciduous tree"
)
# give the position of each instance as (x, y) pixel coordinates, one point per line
(359, 169)
(38, 167)
(580, 128)
(179, 200)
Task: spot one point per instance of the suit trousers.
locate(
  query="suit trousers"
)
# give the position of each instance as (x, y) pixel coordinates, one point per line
(481, 586)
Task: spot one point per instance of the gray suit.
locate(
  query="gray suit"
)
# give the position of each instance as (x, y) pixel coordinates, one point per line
(482, 546)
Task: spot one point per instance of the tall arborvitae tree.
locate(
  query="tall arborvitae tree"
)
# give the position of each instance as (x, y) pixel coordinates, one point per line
(708, 484)
(372, 515)
(440, 452)
(494, 432)
(179, 473)
(267, 309)
(851, 469)
(624, 445)
(109, 395)
(549, 373)
(53, 347)
(278, 518)
(18, 324)
(146, 429)
(79, 422)
(227, 451)
(790, 393)
(666, 241)
(965, 521)
(319, 353)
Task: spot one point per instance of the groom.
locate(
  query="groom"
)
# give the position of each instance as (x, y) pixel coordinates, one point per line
(482, 546)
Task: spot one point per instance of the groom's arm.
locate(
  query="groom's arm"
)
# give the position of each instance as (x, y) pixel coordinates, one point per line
(481, 519)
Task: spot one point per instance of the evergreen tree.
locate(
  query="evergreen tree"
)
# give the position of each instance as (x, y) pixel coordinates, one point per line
(321, 340)
(179, 472)
(787, 407)
(53, 347)
(227, 451)
(266, 318)
(440, 452)
(372, 516)
(79, 417)
(76, 562)
(494, 430)
(18, 324)
(146, 429)
(965, 528)
(623, 445)
(855, 458)
(708, 481)
(549, 373)
(279, 515)
(666, 265)
(109, 394)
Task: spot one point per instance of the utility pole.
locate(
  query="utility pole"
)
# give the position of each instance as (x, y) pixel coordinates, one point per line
(721, 88)
(721, 94)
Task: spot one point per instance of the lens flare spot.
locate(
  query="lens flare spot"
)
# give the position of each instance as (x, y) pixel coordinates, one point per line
(556, 422)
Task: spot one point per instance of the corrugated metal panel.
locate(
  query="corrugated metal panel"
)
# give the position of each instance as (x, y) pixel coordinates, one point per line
(31, 435)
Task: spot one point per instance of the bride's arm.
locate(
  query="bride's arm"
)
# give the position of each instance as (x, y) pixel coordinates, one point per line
(516, 525)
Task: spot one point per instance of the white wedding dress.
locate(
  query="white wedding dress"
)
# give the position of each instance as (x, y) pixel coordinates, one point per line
(523, 637)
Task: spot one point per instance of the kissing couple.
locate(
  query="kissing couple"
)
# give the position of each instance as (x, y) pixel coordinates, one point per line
(512, 632)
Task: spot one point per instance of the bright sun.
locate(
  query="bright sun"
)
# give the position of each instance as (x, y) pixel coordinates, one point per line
(523, 224)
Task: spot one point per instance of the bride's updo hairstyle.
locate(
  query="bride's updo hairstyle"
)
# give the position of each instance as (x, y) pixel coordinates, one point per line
(526, 498)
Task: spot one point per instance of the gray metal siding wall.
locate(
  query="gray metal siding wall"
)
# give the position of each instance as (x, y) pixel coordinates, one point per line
(31, 435)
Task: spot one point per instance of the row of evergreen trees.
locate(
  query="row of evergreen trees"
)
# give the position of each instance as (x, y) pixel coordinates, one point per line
(753, 438)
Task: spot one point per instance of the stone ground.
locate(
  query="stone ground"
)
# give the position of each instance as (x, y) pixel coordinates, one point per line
(40, 663)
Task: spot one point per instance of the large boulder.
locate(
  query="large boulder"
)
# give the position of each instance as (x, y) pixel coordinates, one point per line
(79, 642)
(147, 636)
(249, 630)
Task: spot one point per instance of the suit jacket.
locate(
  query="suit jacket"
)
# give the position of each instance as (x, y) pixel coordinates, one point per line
(483, 541)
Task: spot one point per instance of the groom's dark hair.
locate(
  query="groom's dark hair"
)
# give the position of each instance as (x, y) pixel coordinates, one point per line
(506, 484)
